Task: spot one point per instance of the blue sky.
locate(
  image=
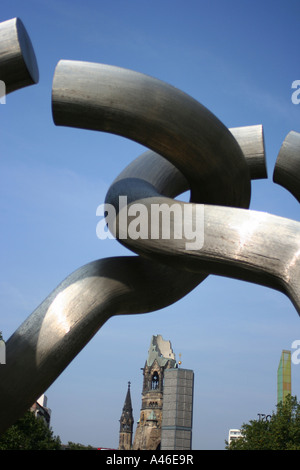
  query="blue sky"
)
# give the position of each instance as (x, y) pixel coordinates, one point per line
(239, 59)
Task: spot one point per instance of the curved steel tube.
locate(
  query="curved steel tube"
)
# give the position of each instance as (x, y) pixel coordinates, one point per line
(60, 327)
(287, 167)
(234, 238)
(51, 337)
(18, 65)
(234, 243)
(251, 141)
(112, 99)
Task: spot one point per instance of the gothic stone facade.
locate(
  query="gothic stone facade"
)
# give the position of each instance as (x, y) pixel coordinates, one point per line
(148, 431)
(126, 424)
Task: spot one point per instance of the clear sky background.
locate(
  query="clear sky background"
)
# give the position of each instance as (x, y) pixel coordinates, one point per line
(239, 59)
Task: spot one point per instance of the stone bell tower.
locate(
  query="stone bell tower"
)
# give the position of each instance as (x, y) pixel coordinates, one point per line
(126, 423)
(160, 358)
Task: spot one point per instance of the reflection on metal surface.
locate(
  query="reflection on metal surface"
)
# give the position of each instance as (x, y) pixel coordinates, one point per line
(166, 120)
(18, 65)
(287, 168)
(192, 151)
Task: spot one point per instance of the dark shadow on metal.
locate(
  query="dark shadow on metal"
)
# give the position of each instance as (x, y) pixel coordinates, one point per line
(18, 65)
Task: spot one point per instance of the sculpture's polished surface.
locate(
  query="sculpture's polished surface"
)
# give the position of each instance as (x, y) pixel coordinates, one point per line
(287, 168)
(189, 149)
(18, 65)
(234, 241)
(157, 115)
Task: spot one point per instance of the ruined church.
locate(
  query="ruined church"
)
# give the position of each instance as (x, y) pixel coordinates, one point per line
(149, 426)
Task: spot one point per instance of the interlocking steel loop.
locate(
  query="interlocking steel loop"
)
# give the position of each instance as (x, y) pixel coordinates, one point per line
(189, 149)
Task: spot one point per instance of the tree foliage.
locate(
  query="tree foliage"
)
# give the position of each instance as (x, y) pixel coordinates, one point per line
(29, 433)
(281, 432)
(78, 446)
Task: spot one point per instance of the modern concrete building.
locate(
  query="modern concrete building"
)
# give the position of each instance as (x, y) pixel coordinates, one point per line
(40, 409)
(160, 358)
(177, 413)
(2, 352)
(233, 434)
(284, 379)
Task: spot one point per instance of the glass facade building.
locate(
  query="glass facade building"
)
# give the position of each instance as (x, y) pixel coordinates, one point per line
(284, 380)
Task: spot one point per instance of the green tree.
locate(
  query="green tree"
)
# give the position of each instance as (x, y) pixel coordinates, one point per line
(281, 432)
(29, 433)
(78, 446)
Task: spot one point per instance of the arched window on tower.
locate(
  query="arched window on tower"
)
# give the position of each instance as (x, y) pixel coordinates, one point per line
(155, 381)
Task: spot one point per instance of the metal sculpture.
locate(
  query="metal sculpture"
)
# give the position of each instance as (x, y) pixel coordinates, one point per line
(18, 65)
(189, 149)
(287, 167)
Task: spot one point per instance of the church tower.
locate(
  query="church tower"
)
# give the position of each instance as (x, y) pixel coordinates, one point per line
(160, 358)
(126, 424)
